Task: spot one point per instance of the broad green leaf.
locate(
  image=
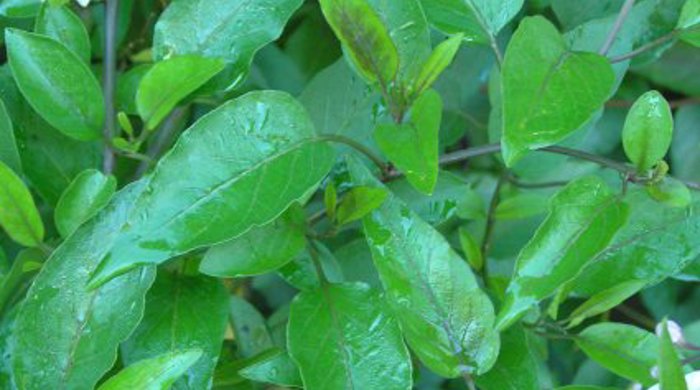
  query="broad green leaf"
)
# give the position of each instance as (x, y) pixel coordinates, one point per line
(516, 367)
(583, 218)
(574, 13)
(342, 337)
(63, 25)
(548, 90)
(19, 8)
(8, 146)
(671, 192)
(278, 369)
(686, 141)
(27, 262)
(670, 369)
(169, 81)
(479, 20)
(301, 272)
(89, 192)
(604, 301)
(657, 242)
(182, 313)
(244, 164)
(66, 334)
(689, 22)
(249, 328)
(359, 202)
(445, 317)
(521, 206)
(684, 59)
(57, 84)
(471, 250)
(366, 37)
(128, 86)
(439, 60)
(623, 349)
(19, 216)
(413, 146)
(648, 131)
(259, 250)
(233, 30)
(157, 373)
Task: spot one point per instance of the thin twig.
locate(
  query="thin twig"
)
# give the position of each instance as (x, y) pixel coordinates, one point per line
(490, 225)
(109, 82)
(691, 101)
(516, 182)
(644, 48)
(621, 17)
(358, 147)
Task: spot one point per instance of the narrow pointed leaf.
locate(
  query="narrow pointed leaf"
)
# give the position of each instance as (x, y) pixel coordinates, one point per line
(84, 198)
(583, 218)
(158, 373)
(170, 81)
(359, 202)
(66, 334)
(243, 164)
(57, 84)
(445, 317)
(648, 130)
(439, 60)
(604, 301)
(342, 338)
(516, 367)
(279, 369)
(63, 25)
(8, 145)
(548, 91)
(19, 216)
(670, 369)
(182, 313)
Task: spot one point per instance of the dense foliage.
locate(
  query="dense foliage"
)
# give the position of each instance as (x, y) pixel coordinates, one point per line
(350, 194)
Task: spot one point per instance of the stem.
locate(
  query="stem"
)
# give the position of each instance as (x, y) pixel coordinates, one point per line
(636, 316)
(358, 147)
(691, 101)
(109, 82)
(621, 17)
(468, 380)
(490, 224)
(317, 265)
(644, 48)
(514, 181)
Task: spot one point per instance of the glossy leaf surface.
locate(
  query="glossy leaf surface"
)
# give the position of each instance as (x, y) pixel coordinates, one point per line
(19, 216)
(156, 373)
(359, 202)
(63, 25)
(670, 368)
(8, 145)
(648, 130)
(89, 192)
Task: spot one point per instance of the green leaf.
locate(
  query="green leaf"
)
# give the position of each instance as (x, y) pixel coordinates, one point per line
(259, 250)
(182, 313)
(301, 272)
(168, 82)
(623, 349)
(366, 37)
(26, 263)
(245, 163)
(670, 191)
(278, 369)
(19, 8)
(446, 319)
(604, 301)
(413, 146)
(521, 206)
(670, 369)
(128, 86)
(231, 30)
(8, 146)
(18, 213)
(548, 91)
(686, 141)
(342, 337)
(63, 25)
(57, 84)
(471, 250)
(66, 334)
(657, 242)
(689, 22)
(359, 202)
(156, 373)
(330, 200)
(583, 218)
(479, 20)
(89, 192)
(516, 367)
(249, 328)
(438, 61)
(648, 131)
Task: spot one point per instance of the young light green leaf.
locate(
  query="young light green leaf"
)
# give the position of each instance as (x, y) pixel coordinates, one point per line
(670, 369)
(89, 192)
(231, 30)
(19, 8)
(648, 130)
(545, 97)
(626, 350)
(445, 317)
(170, 81)
(516, 367)
(277, 368)
(359, 202)
(413, 146)
(67, 335)
(583, 218)
(479, 20)
(19, 216)
(342, 337)
(366, 37)
(670, 191)
(471, 249)
(689, 22)
(8, 146)
(604, 301)
(182, 313)
(438, 61)
(63, 25)
(253, 157)
(157, 373)
(57, 83)
(259, 250)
